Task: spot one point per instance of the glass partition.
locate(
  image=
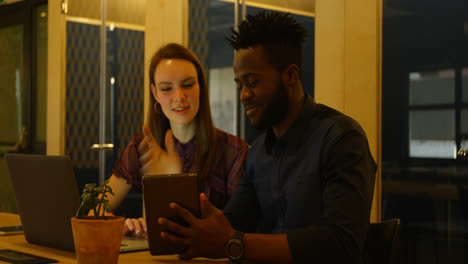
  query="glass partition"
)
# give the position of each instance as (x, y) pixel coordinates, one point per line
(424, 124)
(11, 73)
(40, 105)
(103, 112)
(23, 71)
(210, 22)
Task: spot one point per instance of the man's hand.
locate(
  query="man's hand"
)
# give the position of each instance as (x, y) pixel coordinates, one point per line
(137, 226)
(154, 159)
(204, 237)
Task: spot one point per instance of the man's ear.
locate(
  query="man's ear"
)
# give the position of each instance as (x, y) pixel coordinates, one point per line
(291, 75)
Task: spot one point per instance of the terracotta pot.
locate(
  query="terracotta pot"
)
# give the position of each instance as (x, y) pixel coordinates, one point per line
(97, 240)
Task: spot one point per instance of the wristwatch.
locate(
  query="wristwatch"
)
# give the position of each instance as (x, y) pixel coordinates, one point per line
(235, 247)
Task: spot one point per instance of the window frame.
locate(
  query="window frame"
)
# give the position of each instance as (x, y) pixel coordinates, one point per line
(457, 106)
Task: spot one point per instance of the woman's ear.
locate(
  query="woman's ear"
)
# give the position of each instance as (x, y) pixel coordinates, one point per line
(153, 91)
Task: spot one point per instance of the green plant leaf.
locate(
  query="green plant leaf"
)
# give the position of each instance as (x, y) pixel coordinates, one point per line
(95, 198)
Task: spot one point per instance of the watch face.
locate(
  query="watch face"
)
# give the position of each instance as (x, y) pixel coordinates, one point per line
(235, 249)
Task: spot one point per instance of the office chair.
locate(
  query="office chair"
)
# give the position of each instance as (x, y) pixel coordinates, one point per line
(383, 241)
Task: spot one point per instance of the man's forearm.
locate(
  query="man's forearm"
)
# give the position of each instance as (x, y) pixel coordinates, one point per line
(267, 248)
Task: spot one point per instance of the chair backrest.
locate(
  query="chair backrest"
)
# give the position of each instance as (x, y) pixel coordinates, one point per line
(383, 241)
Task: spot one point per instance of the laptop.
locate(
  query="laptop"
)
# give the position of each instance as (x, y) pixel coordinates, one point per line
(47, 197)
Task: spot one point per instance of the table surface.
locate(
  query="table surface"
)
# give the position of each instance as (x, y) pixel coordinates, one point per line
(19, 243)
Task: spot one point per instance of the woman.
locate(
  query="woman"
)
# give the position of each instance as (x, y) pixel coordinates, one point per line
(179, 136)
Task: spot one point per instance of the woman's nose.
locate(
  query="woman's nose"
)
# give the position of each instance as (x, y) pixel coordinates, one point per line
(179, 93)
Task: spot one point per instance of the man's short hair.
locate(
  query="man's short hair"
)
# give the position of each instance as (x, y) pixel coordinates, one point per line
(280, 35)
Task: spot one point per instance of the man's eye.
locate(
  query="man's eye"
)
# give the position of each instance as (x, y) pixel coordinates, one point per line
(252, 83)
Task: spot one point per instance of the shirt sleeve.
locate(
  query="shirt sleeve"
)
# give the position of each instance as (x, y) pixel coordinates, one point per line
(128, 166)
(239, 149)
(347, 199)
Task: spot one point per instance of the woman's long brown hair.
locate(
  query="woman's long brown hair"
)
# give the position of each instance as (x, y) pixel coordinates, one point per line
(205, 134)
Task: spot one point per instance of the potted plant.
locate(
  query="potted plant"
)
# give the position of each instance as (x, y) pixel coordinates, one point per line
(97, 236)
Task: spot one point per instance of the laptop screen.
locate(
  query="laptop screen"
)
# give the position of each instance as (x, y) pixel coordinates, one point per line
(46, 197)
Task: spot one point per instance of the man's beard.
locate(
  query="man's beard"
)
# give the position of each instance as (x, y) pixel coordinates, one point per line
(275, 110)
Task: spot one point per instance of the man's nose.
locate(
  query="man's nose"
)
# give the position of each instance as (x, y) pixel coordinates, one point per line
(245, 93)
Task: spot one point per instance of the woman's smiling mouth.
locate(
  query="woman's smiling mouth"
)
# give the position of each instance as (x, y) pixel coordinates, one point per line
(181, 109)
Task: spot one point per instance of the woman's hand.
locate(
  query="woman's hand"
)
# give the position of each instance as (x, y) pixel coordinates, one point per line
(154, 159)
(136, 226)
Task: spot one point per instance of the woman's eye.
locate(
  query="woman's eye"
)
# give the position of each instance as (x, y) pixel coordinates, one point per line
(188, 85)
(165, 89)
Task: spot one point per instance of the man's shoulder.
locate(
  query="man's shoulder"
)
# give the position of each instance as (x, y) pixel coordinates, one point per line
(338, 122)
(257, 142)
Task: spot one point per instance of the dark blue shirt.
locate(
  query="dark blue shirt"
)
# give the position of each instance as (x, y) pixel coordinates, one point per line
(315, 184)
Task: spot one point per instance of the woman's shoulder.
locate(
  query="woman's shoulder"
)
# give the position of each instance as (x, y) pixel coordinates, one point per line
(231, 153)
(134, 141)
(137, 137)
(226, 140)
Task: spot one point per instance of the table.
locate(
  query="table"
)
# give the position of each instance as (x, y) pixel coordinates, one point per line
(19, 243)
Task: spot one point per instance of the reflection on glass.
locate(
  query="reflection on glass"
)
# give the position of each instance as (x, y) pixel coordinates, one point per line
(121, 11)
(306, 7)
(11, 74)
(464, 144)
(433, 149)
(464, 122)
(219, 69)
(429, 36)
(222, 100)
(432, 134)
(465, 85)
(40, 17)
(434, 87)
(123, 98)
(217, 55)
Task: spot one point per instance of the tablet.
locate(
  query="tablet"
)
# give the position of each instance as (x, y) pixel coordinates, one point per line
(158, 192)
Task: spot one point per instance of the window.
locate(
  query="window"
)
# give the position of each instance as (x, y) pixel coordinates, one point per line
(437, 114)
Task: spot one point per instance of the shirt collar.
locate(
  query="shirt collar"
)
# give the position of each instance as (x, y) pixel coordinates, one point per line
(186, 148)
(294, 134)
(186, 152)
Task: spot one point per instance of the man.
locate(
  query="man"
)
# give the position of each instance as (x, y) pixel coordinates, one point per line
(306, 192)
